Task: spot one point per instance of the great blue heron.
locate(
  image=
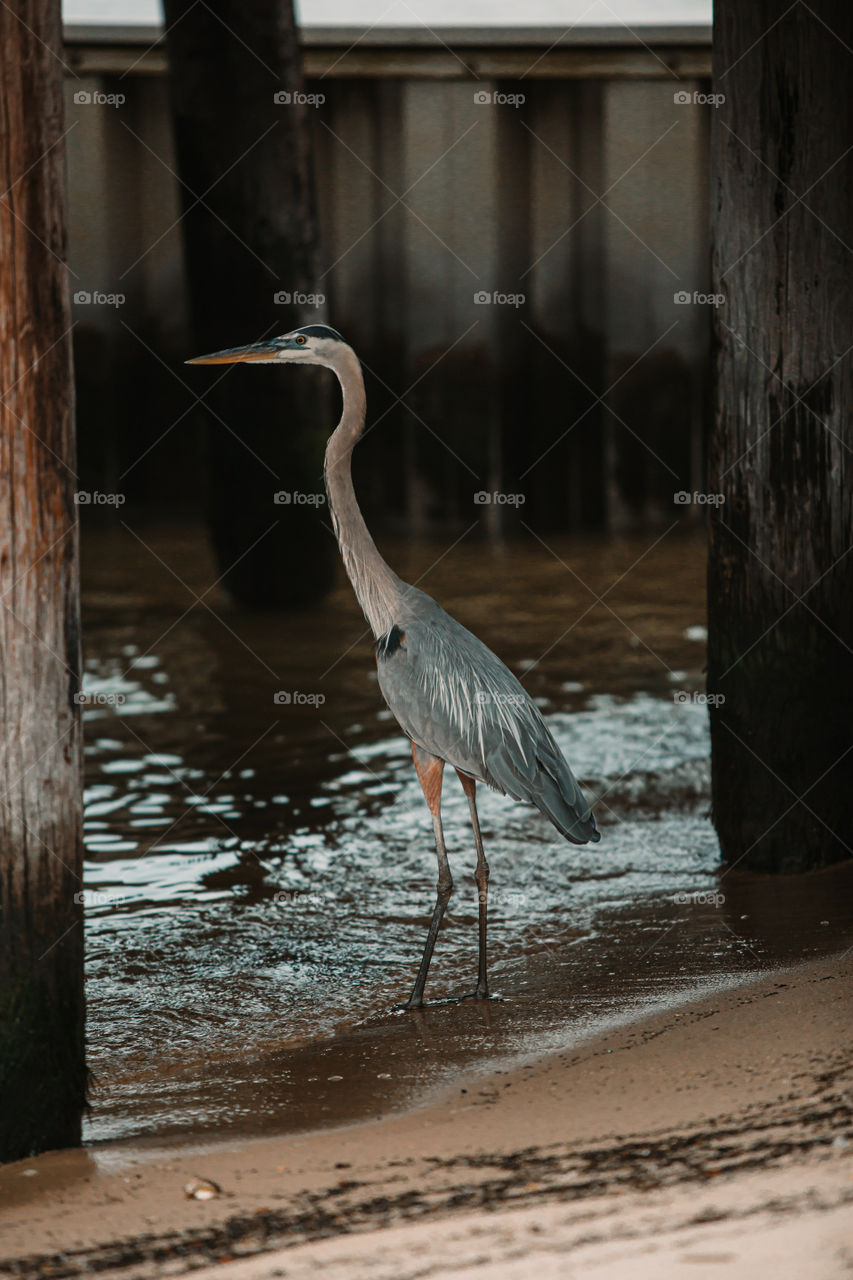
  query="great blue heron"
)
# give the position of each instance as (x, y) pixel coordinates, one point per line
(452, 697)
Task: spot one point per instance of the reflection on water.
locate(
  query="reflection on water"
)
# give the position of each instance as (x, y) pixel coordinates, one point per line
(259, 857)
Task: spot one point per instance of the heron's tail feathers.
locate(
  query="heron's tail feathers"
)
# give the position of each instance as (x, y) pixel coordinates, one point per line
(562, 802)
(547, 782)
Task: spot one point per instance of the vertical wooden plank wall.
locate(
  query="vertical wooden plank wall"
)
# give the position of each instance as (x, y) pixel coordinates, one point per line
(589, 198)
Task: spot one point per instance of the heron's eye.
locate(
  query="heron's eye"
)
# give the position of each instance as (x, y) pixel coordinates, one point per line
(300, 340)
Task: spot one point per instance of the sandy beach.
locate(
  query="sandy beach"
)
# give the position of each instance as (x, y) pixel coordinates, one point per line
(716, 1137)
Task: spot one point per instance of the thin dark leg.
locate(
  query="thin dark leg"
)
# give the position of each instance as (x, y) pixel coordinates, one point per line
(430, 769)
(481, 878)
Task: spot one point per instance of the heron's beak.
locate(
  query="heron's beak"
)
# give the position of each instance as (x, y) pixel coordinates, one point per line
(239, 355)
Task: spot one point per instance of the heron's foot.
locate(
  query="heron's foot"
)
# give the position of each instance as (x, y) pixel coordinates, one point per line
(479, 993)
(413, 1002)
(413, 1005)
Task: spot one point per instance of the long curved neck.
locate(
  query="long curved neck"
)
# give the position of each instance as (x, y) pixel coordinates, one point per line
(376, 586)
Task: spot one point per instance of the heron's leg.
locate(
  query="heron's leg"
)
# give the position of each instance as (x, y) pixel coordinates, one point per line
(481, 878)
(430, 770)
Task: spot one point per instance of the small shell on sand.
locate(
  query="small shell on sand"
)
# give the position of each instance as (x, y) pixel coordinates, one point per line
(201, 1189)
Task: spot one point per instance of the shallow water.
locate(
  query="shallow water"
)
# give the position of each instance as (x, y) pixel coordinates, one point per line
(260, 870)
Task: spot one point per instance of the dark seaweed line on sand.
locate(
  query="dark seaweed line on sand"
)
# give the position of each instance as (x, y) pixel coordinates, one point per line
(521, 1179)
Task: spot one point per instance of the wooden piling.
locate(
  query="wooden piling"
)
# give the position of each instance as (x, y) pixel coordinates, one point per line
(42, 1070)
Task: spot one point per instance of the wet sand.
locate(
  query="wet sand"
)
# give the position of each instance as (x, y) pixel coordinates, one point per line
(716, 1132)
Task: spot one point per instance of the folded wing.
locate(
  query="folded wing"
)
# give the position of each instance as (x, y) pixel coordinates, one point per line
(457, 700)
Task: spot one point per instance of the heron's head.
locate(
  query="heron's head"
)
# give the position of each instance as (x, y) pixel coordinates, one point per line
(314, 344)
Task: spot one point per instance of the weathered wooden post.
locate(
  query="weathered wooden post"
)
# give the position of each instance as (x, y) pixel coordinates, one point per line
(42, 1069)
(781, 565)
(242, 130)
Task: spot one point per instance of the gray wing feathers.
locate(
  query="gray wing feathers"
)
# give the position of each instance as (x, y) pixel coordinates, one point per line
(546, 781)
(456, 699)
